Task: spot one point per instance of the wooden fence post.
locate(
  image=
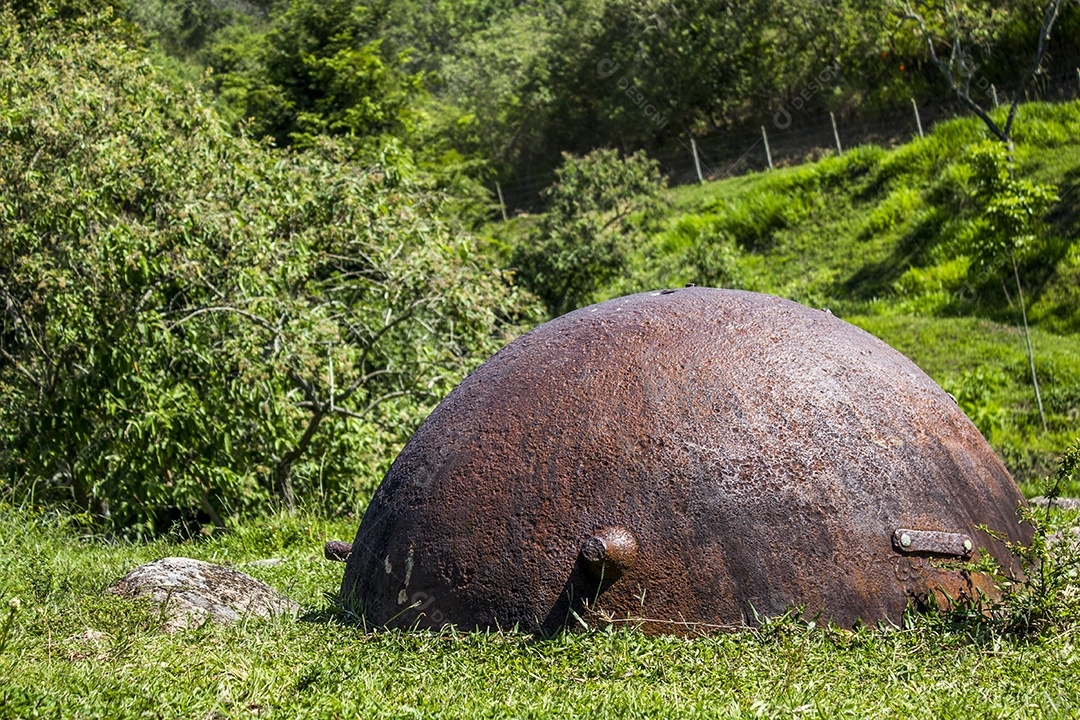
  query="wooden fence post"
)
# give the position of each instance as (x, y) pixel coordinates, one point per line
(502, 203)
(697, 163)
(768, 153)
(918, 122)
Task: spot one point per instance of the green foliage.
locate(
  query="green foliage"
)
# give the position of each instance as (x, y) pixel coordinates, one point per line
(186, 29)
(1046, 596)
(33, 12)
(315, 70)
(508, 86)
(1012, 209)
(436, 28)
(712, 253)
(976, 392)
(319, 70)
(599, 207)
(194, 323)
(496, 79)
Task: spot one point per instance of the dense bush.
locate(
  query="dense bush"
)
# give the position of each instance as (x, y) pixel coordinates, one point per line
(599, 207)
(191, 322)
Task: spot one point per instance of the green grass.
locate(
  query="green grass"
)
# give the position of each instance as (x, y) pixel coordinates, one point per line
(75, 652)
(876, 231)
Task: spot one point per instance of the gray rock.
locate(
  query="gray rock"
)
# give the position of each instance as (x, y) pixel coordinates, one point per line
(191, 592)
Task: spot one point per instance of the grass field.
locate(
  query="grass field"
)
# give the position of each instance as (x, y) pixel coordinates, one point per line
(74, 652)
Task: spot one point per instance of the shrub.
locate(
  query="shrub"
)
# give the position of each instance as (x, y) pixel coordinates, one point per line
(599, 206)
(1048, 596)
(190, 320)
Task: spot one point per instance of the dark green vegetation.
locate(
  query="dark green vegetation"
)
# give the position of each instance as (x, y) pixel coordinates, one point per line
(598, 209)
(476, 90)
(195, 323)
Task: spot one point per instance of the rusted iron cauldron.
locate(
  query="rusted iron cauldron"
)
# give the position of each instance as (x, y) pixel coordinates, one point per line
(683, 460)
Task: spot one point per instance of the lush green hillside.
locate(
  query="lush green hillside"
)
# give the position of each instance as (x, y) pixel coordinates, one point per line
(890, 240)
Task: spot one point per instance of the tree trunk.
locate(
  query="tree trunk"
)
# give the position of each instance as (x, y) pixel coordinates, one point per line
(283, 471)
(1027, 342)
(208, 508)
(82, 495)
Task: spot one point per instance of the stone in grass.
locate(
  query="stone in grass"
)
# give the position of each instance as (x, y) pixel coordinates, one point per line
(190, 592)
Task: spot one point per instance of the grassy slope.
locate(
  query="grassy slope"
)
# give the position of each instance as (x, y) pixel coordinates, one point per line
(877, 236)
(54, 666)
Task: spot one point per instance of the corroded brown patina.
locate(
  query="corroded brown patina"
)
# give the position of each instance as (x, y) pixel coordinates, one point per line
(683, 460)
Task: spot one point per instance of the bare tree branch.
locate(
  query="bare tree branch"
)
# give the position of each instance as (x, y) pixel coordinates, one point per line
(963, 92)
(226, 309)
(957, 58)
(381, 399)
(1049, 18)
(387, 326)
(283, 471)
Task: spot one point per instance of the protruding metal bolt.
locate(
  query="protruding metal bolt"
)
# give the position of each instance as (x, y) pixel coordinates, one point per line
(610, 553)
(337, 550)
(905, 540)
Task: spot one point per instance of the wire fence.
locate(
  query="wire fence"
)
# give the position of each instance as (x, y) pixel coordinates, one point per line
(791, 138)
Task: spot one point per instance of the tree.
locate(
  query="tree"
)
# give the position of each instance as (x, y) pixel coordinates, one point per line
(962, 24)
(1009, 226)
(320, 70)
(597, 209)
(1009, 205)
(192, 322)
(497, 78)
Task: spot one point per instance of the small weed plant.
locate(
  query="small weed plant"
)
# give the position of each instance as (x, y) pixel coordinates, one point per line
(1046, 596)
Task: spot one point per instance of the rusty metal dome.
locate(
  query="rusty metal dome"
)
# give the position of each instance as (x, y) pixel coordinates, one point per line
(682, 460)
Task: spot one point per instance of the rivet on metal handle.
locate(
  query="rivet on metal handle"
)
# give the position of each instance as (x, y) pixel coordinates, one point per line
(337, 550)
(610, 553)
(932, 542)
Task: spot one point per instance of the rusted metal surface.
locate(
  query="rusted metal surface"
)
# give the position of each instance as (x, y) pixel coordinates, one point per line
(681, 460)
